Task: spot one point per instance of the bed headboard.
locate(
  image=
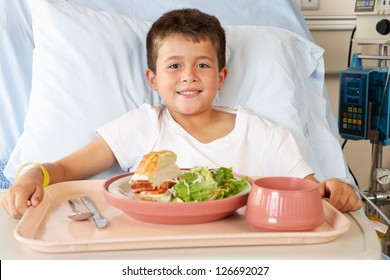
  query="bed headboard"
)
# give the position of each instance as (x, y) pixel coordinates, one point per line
(67, 69)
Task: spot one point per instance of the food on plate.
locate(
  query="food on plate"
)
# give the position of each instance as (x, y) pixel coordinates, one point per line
(201, 183)
(155, 175)
(158, 178)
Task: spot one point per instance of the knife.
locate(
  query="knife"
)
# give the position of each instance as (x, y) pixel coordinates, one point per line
(97, 217)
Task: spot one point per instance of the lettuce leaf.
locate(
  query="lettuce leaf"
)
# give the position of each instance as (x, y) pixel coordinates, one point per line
(227, 182)
(201, 183)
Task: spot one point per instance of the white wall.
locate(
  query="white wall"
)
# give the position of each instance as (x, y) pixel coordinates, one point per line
(331, 8)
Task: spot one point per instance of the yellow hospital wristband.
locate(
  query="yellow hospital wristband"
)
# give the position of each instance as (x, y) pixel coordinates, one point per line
(46, 177)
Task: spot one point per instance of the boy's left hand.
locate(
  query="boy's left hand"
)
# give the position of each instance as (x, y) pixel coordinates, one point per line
(341, 196)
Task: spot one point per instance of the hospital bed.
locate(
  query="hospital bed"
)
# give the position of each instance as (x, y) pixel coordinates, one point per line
(66, 69)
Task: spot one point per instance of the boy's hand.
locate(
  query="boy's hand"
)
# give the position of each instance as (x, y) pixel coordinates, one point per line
(340, 195)
(19, 197)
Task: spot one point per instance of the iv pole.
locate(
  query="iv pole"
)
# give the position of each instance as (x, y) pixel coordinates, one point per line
(377, 153)
(377, 150)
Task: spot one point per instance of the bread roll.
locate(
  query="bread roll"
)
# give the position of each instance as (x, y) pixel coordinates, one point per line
(157, 167)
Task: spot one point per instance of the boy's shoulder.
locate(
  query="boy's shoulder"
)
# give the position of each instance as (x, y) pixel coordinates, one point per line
(148, 109)
(255, 117)
(259, 124)
(144, 113)
(245, 115)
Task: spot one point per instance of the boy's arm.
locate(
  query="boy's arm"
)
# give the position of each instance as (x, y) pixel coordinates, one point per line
(86, 162)
(340, 194)
(89, 160)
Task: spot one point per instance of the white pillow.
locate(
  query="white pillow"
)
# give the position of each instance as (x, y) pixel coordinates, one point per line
(268, 71)
(16, 42)
(88, 68)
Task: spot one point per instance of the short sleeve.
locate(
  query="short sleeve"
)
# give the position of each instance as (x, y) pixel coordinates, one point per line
(282, 156)
(132, 134)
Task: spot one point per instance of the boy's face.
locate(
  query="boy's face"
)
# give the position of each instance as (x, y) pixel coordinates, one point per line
(187, 76)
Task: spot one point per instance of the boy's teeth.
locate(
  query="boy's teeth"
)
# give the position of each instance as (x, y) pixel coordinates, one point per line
(188, 92)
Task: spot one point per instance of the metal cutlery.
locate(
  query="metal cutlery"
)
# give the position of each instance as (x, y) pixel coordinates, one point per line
(78, 214)
(99, 220)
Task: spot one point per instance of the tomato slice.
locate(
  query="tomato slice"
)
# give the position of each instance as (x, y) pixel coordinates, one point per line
(151, 192)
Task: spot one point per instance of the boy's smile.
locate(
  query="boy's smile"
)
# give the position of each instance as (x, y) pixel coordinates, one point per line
(187, 77)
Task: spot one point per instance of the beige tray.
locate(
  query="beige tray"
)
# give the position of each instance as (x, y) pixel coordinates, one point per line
(47, 228)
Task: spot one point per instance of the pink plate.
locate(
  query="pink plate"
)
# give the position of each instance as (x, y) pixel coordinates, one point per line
(118, 194)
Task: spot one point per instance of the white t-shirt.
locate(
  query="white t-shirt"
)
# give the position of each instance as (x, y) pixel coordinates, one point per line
(255, 147)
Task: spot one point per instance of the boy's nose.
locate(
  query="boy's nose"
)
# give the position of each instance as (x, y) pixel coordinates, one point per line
(189, 76)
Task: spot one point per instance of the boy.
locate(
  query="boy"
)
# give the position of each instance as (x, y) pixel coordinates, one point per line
(186, 65)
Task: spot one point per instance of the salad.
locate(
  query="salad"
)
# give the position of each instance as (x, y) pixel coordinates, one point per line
(202, 183)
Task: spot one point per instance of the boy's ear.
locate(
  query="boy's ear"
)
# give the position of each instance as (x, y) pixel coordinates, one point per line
(222, 77)
(151, 77)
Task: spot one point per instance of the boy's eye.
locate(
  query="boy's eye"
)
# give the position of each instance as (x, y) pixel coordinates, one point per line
(174, 66)
(203, 65)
